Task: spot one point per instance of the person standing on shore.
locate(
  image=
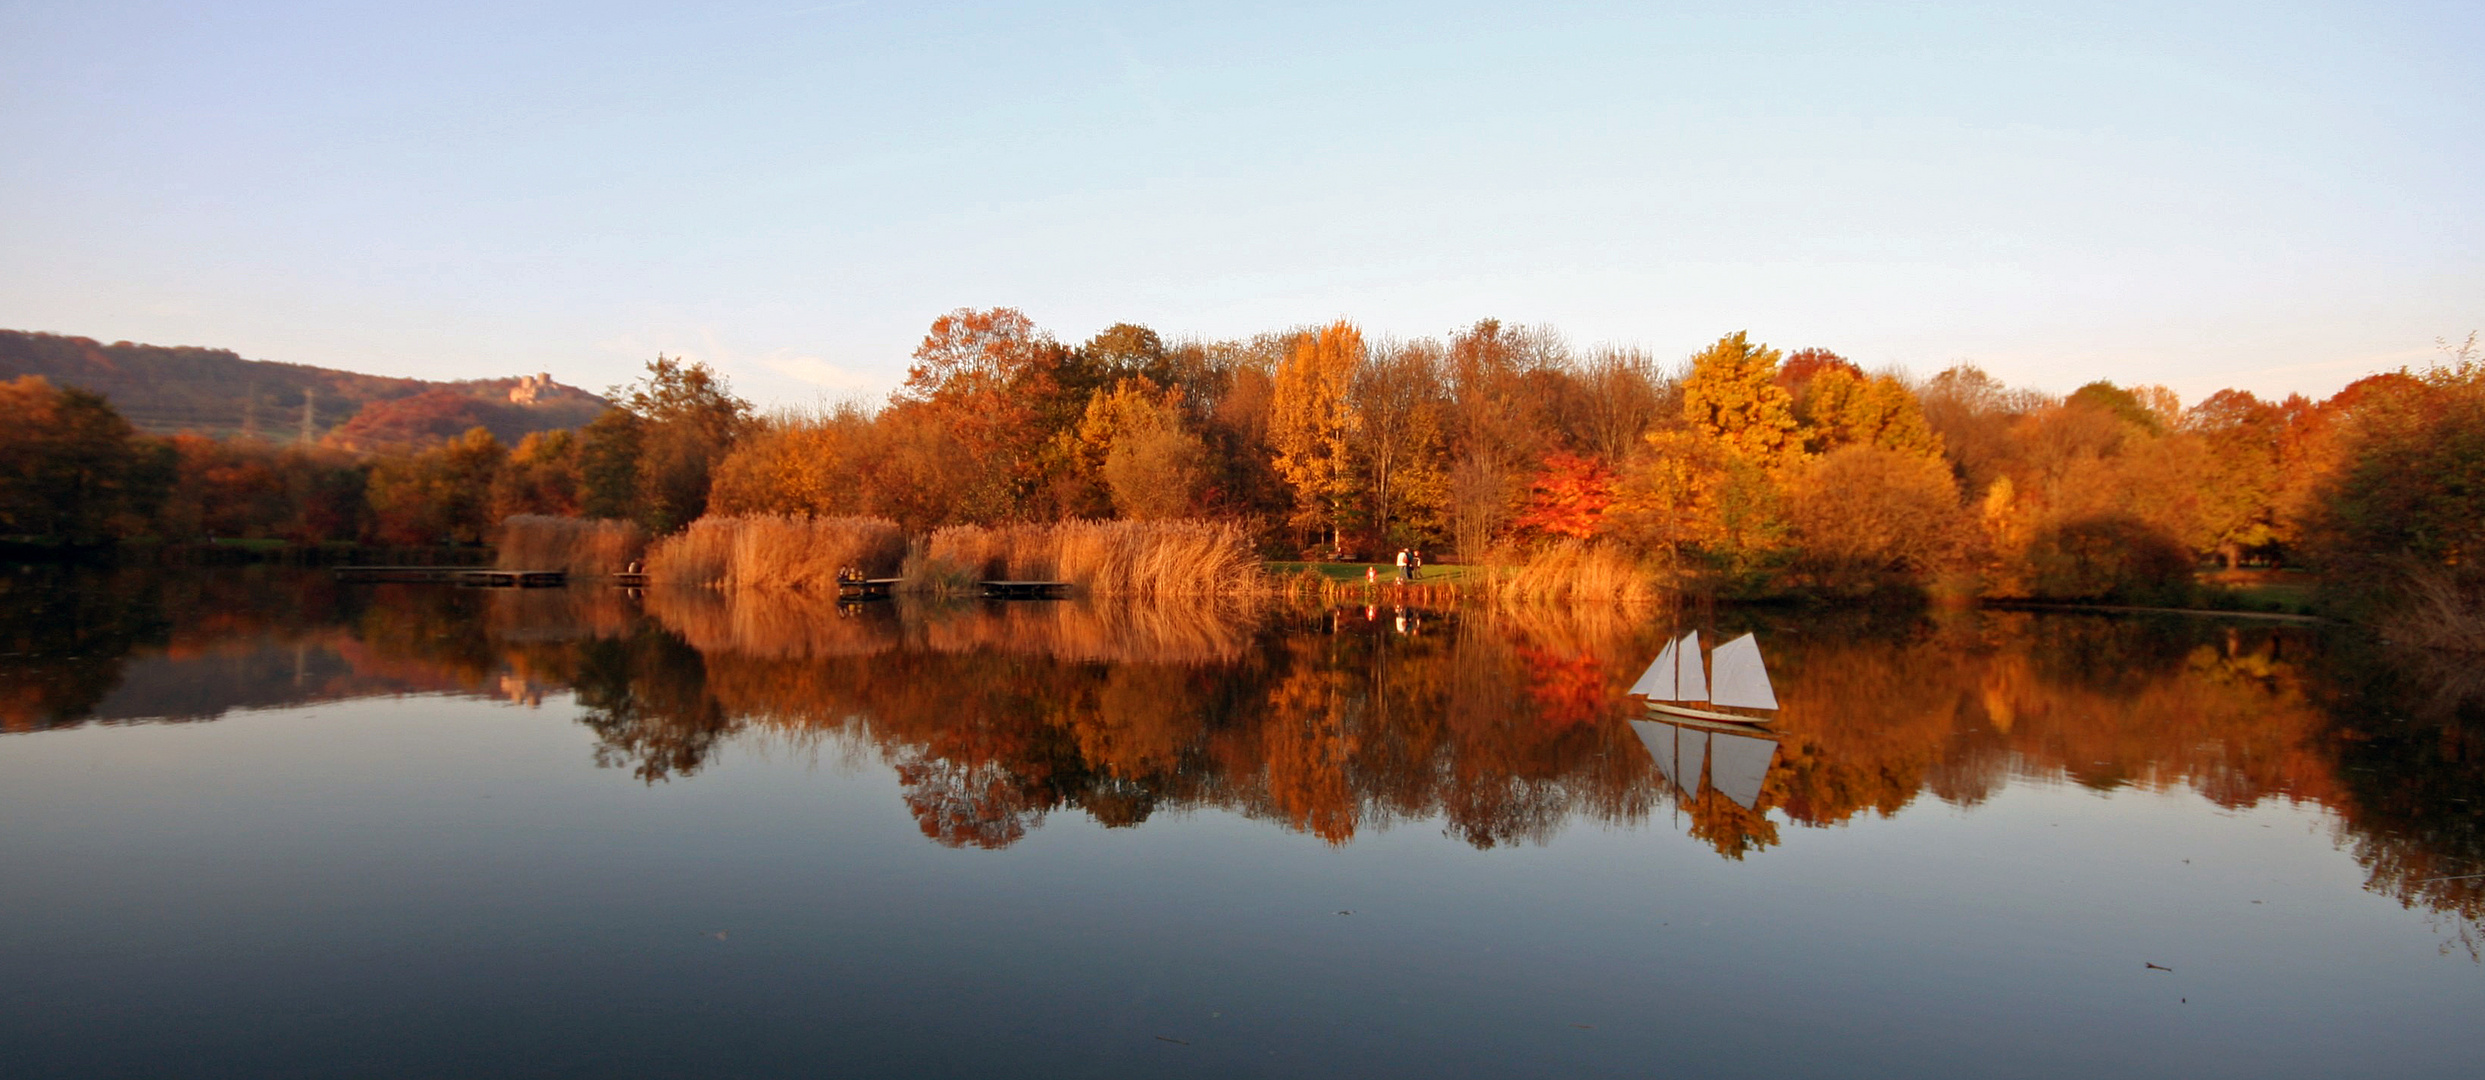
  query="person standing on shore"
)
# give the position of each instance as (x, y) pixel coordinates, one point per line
(1402, 574)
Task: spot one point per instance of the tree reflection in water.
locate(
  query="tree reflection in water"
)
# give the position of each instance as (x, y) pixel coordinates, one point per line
(1502, 725)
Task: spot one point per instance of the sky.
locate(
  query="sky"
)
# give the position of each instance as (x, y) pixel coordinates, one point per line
(2277, 196)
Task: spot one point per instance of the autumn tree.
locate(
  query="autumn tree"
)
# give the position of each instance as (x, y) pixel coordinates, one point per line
(1313, 424)
(1843, 408)
(1713, 487)
(441, 495)
(798, 464)
(1973, 414)
(1117, 352)
(71, 468)
(1568, 497)
(1673, 501)
(1502, 420)
(540, 477)
(1622, 395)
(993, 380)
(687, 420)
(1397, 396)
(2410, 490)
(1142, 452)
(1867, 514)
(2238, 485)
(1732, 396)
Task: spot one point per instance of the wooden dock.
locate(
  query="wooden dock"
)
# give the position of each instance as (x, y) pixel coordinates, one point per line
(514, 579)
(1025, 590)
(877, 588)
(455, 575)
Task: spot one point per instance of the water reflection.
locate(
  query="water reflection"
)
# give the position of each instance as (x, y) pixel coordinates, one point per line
(1501, 726)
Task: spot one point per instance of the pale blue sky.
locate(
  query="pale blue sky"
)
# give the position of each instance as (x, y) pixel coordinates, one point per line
(2278, 196)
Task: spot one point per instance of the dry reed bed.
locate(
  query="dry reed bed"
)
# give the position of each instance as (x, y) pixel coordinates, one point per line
(772, 625)
(1099, 558)
(794, 625)
(771, 551)
(532, 615)
(1574, 571)
(1141, 631)
(582, 547)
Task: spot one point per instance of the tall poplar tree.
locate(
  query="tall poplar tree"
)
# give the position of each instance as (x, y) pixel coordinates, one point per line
(1312, 424)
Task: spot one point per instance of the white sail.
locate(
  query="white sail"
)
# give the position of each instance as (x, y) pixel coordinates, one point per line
(1694, 684)
(1737, 764)
(1691, 746)
(1742, 680)
(1659, 739)
(1659, 681)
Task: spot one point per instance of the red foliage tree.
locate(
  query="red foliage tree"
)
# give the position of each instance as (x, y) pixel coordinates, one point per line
(1568, 497)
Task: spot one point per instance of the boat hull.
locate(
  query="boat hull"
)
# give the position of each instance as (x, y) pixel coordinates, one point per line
(1705, 714)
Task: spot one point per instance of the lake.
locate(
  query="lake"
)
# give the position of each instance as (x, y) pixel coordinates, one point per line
(258, 823)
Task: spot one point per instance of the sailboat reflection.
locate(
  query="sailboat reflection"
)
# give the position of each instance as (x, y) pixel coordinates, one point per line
(1737, 758)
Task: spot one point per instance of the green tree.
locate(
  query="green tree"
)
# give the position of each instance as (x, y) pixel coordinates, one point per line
(608, 465)
(692, 420)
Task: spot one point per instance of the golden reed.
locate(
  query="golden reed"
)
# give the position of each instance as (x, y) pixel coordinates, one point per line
(775, 551)
(1098, 558)
(795, 625)
(582, 547)
(1573, 570)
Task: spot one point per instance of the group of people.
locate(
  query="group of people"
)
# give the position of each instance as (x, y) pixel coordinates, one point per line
(1410, 562)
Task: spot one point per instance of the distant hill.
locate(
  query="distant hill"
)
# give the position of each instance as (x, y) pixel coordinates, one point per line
(171, 389)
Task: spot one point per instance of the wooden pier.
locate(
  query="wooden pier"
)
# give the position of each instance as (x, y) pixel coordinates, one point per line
(455, 575)
(877, 588)
(1025, 590)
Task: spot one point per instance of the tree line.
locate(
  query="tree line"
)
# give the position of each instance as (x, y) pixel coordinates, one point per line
(1742, 469)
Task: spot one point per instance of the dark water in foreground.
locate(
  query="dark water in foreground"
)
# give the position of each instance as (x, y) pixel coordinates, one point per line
(253, 823)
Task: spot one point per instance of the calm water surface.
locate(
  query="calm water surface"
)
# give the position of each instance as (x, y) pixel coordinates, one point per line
(253, 823)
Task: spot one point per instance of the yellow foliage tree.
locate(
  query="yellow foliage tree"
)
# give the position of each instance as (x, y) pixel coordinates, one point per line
(1313, 421)
(1877, 411)
(1732, 396)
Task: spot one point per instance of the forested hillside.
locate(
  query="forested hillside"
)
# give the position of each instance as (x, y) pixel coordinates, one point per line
(171, 389)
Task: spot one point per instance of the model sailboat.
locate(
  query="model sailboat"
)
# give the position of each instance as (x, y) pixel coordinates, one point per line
(1679, 682)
